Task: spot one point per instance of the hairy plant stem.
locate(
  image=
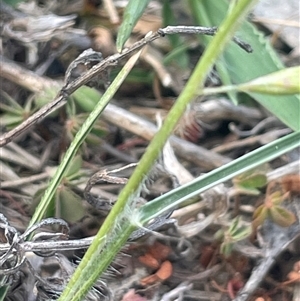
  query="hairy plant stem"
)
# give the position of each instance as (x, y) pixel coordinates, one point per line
(79, 280)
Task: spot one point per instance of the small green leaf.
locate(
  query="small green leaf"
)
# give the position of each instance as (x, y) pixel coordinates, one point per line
(283, 82)
(132, 13)
(259, 216)
(86, 98)
(253, 181)
(241, 233)
(74, 168)
(282, 216)
(226, 249)
(10, 120)
(249, 181)
(276, 198)
(68, 205)
(47, 95)
(234, 225)
(12, 103)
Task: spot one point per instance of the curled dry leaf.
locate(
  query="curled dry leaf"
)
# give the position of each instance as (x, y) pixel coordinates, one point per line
(149, 280)
(159, 251)
(149, 261)
(165, 270)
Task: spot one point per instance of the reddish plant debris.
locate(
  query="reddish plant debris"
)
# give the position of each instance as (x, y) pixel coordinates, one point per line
(149, 280)
(291, 183)
(159, 251)
(165, 270)
(163, 273)
(155, 258)
(207, 254)
(149, 261)
(234, 285)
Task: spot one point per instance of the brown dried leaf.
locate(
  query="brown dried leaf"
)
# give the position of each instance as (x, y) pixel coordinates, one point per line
(165, 271)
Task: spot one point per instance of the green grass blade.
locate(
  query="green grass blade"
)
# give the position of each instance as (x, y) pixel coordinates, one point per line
(132, 13)
(3, 291)
(103, 248)
(176, 197)
(79, 139)
(262, 61)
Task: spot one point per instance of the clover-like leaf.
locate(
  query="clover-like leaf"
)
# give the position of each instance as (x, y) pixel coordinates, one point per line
(233, 234)
(272, 209)
(249, 181)
(282, 216)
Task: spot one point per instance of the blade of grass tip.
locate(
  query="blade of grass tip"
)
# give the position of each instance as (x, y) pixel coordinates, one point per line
(247, 162)
(79, 139)
(132, 13)
(82, 278)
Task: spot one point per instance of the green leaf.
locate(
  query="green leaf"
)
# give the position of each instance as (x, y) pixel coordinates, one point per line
(234, 225)
(47, 95)
(283, 82)
(132, 13)
(249, 181)
(86, 98)
(241, 233)
(226, 249)
(3, 291)
(13, 3)
(259, 216)
(234, 234)
(10, 120)
(12, 103)
(174, 198)
(282, 216)
(68, 205)
(262, 61)
(73, 169)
